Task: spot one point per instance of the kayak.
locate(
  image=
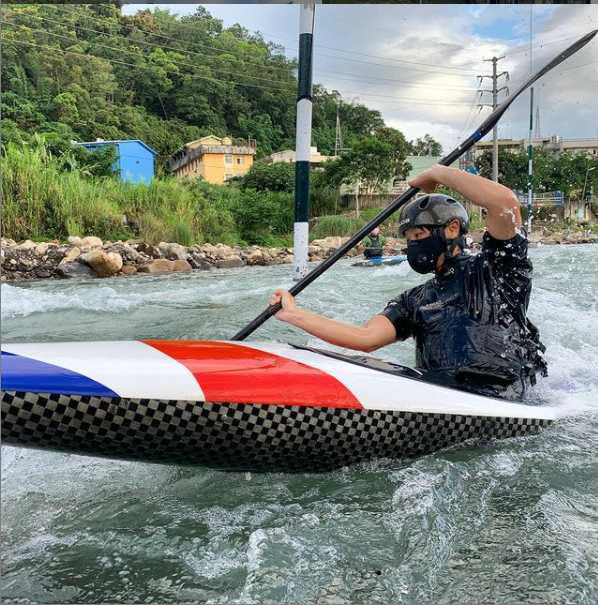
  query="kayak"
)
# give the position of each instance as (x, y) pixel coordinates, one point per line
(379, 261)
(251, 406)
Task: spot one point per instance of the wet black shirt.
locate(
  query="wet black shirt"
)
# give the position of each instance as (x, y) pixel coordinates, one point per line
(469, 321)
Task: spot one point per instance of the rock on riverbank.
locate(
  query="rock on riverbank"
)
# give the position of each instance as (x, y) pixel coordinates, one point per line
(91, 257)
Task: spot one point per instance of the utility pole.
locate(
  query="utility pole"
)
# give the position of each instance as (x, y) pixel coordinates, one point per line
(495, 90)
(303, 139)
(530, 147)
(537, 129)
(530, 161)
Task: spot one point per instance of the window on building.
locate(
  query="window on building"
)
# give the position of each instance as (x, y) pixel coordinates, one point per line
(228, 158)
(239, 160)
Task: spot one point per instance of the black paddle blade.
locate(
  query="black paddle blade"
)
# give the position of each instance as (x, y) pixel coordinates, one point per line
(485, 127)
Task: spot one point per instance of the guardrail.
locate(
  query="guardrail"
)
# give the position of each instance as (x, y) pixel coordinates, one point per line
(552, 198)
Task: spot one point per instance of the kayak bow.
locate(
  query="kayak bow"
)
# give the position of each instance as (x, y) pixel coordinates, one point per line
(252, 406)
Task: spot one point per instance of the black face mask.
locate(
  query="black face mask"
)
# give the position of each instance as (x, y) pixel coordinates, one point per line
(422, 254)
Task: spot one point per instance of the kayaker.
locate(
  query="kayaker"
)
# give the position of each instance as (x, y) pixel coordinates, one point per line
(470, 321)
(374, 244)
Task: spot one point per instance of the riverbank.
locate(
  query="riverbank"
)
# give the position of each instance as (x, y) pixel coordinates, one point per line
(92, 257)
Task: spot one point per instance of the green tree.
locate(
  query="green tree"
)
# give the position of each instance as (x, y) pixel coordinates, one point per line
(426, 145)
(270, 177)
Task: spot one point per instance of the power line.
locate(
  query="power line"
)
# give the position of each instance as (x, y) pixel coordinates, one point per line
(394, 60)
(233, 82)
(340, 75)
(429, 71)
(432, 69)
(116, 61)
(149, 33)
(182, 24)
(410, 82)
(134, 54)
(525, 49)
(393, 98)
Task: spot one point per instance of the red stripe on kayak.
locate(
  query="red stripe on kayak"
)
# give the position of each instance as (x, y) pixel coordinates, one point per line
(238, 374)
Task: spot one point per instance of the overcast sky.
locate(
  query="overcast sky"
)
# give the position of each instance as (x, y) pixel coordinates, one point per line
(417, 64)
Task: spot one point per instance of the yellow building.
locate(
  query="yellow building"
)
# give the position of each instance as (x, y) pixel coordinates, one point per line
(213, 158)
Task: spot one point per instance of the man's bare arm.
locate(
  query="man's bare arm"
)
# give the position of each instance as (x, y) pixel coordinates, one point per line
(377, 332)
(503, 215)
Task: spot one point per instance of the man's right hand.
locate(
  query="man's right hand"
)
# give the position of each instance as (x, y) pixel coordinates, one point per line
(287, 301)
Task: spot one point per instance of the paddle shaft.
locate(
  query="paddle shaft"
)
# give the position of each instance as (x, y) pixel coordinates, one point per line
(485, 127)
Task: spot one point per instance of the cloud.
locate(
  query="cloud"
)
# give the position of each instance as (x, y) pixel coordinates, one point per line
(417, 64)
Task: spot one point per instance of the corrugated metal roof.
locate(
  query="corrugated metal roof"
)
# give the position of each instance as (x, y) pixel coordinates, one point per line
(115, 141)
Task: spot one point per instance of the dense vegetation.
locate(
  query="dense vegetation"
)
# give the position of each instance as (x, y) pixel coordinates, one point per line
(85, 71)
(573, 174)
(47, 197)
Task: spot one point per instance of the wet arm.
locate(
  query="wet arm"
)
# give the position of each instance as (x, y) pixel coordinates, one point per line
(503, 215)
(377, 332)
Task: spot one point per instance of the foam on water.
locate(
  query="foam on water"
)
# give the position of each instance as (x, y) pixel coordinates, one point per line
(20, 302)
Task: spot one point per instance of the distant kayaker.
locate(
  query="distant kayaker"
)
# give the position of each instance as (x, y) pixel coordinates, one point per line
(374, 244)
(470, 321)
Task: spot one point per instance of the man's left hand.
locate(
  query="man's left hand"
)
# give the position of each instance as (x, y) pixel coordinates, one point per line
(428, 180)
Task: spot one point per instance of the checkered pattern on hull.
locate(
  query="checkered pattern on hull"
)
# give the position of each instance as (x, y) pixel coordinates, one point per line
(236, 436)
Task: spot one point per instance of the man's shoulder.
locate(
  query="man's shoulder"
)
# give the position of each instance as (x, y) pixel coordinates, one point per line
(412, 295)
(517, 243)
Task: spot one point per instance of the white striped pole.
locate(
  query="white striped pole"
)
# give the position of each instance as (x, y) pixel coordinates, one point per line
(303, 140)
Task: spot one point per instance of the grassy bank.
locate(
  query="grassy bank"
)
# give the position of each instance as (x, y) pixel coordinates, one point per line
(45, 197)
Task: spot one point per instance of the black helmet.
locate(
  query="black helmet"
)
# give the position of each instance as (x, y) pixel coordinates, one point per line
(432, 210)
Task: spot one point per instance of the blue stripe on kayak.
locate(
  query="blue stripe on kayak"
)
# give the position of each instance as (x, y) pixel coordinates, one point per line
(25, 374)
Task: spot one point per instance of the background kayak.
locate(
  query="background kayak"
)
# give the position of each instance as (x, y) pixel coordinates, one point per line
(380, 261)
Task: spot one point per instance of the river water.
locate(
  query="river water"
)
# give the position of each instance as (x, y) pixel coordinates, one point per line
(509, 521)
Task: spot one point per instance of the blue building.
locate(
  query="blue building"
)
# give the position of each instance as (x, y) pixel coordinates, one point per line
(135, 162)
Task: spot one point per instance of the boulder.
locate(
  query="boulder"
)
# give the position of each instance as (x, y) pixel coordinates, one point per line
(42, 273)
(331, 242)
(72, 254)
(174, 251)
(199, 261)
(41, 249)
(27, 245)
(74, 240)
(57, 253)
(74, 269)
(7, 242)
(181, 265)
(127, 252)
(219, 251)
(158, 265)
(149, 250)
(315, 252)
(255, 257)
(103, 263)
(91, 241)
(25, 264)
(129, 269)
(229, 263)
